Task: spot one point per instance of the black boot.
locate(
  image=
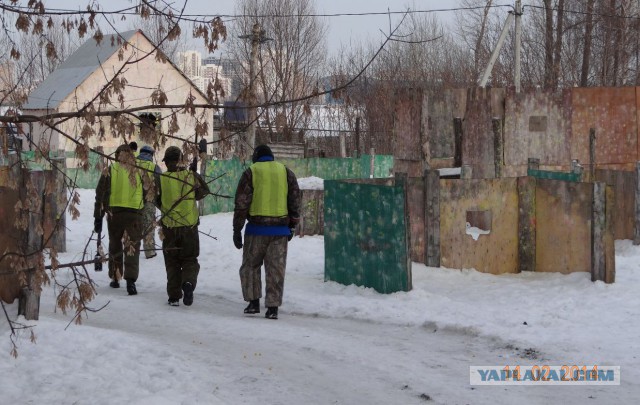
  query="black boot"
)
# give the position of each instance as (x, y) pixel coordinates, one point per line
(272, 313)
(131, 287)
(253, 307)
(114, 284)
(187, 293)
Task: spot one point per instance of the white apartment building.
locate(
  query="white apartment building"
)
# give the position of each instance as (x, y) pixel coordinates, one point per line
(190, 63)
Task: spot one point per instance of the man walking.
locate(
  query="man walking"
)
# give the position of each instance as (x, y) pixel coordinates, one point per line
(120, 194)
(268, 197)
(145, 160)
(178, 192)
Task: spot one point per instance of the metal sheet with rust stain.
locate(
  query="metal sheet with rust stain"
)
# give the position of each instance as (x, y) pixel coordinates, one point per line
(613, 112)
(496, 252)
(407, 125)
(536, 125)
(9, 283)
(624, 201)
(563, 226)
(440, 108)
(415, 197)
(477, 140)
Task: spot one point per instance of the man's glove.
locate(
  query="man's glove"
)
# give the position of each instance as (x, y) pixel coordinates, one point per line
(292, 231)
(97, 225)
(193, 166)
(237, 239)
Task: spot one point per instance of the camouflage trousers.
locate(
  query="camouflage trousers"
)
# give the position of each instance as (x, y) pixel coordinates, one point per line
(180, 248)
(272, 251)
(124, 251)
(149, 230)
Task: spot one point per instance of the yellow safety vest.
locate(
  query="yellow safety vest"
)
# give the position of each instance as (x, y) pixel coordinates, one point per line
(123, 193)
(178, 199)
(270, 189)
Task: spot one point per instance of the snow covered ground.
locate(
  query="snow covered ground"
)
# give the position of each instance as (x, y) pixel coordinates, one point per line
(333, 344)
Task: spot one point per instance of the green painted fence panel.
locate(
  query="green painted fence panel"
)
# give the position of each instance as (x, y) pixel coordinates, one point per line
(365, 236)
(551, 175)
(223, 175)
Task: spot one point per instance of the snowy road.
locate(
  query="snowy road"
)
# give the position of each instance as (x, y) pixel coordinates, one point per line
(333, 344)
(306, 359)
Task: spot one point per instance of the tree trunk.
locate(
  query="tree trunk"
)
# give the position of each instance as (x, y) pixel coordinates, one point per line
(607, 57)
(548, 45)
(557, 52)
(588, 37)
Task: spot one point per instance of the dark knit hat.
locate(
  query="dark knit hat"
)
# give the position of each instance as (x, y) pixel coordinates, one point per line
(260, 151)
(172, 154)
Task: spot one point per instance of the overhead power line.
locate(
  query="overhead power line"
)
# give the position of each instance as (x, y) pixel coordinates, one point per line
(565, 10)
(131, 11)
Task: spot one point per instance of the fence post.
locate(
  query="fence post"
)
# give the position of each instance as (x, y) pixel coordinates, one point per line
(598, 222)
(372, 161)
(526, 223)
(592, 154)
(432, 217)
(58, 203)
(402, 180)
(357, 140)
(457, 136)
(498, 146)
(609, 239)
(636, 236)
(343, 145)
(466, 172)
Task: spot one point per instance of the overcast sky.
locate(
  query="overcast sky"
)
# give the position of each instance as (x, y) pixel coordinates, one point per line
(342, 29)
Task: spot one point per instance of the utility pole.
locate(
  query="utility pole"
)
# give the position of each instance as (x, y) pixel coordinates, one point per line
(517, 14)
(518, 39)
(257, 37)
(496, 50)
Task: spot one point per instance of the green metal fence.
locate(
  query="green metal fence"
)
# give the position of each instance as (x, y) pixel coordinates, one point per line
(365, 236)
(223, 175)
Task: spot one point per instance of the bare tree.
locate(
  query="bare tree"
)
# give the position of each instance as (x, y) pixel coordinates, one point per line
(289, 61)
(35, 41)
(586, 53)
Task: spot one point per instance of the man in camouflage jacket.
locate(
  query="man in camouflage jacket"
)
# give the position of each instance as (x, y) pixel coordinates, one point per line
(268, 197)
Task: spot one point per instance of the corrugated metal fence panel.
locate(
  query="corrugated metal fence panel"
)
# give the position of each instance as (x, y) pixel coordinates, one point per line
(536, 126)
(407, 132)
(613, 113)
(477, 140)
(460, 200)
(441, 108)
(364, 238)
(415, 203)
(407, 125)
(563, 226)
(624, 188)
(10, 235)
